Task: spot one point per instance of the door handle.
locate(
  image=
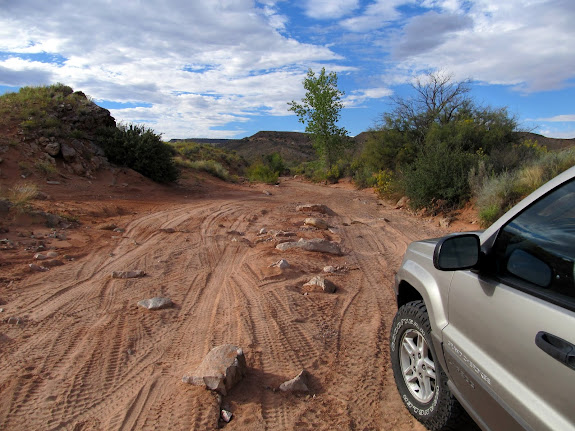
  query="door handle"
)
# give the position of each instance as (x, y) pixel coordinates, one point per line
(557, 348)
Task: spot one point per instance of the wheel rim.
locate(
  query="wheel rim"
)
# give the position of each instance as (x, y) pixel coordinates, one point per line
(417, 366)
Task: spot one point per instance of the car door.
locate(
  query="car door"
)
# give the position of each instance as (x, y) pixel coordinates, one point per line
(509, 344)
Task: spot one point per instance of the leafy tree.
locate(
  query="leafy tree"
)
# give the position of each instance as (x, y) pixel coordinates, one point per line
(320, 109)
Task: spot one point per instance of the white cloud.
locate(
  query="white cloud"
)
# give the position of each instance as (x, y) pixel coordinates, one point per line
(329, 9)
(229, 55)
(357, 97)
(566, 118)
(376, 15)
(525, 44)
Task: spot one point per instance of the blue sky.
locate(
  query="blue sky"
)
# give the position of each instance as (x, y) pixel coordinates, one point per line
(227, 68)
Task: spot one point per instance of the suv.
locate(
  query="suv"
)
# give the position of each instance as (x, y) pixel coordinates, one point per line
(486, 320)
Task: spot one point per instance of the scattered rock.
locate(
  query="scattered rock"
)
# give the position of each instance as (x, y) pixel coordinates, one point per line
(53, 183)
(316, 244)
(156, 303)
(51, 254)
(281, 264)
(37, 268)
(120, 230)
(316, 222)
(402, 203)
(319, 208)
(320, 282)
(128, 274)
(298, 384)
(266, 192)
(445, 222)
(220, 370)
(40, 256)
(68, 152)
(53, 148)
(263, 231)
(283, 234)
(168, 230)
(53, 262)
(226, 415)
(329, 269)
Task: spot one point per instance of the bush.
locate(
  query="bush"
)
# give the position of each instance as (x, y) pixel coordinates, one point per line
(439, 173)
(210, 166)
(20, 195)
(139, 148)
(500, 192)
(260, 172)
(384, 183)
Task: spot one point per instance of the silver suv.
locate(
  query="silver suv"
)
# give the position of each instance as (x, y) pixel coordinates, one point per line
(486, 321)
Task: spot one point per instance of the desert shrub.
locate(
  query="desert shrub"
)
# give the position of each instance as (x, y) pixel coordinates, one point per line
(275, 162)
(193, 151)
(260, 172)
(439, 173)
(45, 168)
(210, 166)
(384, 183)
(141, 149)
(501, 192)
(20, 195)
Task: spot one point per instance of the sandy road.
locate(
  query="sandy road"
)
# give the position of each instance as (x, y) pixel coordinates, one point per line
(87, 358)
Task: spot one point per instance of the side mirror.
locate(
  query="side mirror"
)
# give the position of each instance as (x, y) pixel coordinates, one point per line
(457, 252)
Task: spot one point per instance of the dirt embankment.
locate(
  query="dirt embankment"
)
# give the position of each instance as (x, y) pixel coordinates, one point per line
(77, 353)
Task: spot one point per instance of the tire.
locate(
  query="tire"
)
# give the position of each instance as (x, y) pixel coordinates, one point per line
(420, 380)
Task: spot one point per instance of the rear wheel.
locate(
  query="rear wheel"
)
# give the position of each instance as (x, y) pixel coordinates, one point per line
(420, 380)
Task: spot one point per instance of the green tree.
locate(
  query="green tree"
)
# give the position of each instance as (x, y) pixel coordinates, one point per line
(320, 109)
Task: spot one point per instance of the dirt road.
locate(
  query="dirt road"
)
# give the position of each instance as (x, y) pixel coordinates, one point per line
(83, 356)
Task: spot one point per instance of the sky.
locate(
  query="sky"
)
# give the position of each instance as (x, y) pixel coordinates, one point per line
(228, 68)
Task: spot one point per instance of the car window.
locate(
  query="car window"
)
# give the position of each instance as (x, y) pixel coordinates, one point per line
(536, 250)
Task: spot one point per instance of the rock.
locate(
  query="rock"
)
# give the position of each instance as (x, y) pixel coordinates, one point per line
(267, 193)
(283, 234)
(168, 230)
(40, 256)
(263, 231)
(52, 254)
(107, 226)
(402, 203)
(316, 222)
(319, 208)
(226, 415)
(53, 148)
(128, 274)
(320, 282)
(4, 207)
(329, 269)
(37, 268)
(445, 222)
(119, 230)
(316, 244)
(156, 303)
(297, 384)
(281, 264)
(220, 370)
(53, 183)
(68, 152)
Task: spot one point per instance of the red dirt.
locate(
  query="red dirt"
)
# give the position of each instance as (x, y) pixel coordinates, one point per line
(84, 356)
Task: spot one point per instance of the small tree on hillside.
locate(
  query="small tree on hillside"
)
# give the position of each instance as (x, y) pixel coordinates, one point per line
(320, 109)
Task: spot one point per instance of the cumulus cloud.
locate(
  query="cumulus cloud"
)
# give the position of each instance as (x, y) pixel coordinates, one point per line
(568, 118)
(225, 53)
(527, 45)
(376, 15)
(328, 9)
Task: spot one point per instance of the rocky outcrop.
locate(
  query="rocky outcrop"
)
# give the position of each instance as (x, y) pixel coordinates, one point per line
(222, 368)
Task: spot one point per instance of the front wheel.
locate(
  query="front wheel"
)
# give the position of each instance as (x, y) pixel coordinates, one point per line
(420, 380)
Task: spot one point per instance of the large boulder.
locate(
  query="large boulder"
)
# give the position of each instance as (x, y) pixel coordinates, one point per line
(316, 244)
(222, 368)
